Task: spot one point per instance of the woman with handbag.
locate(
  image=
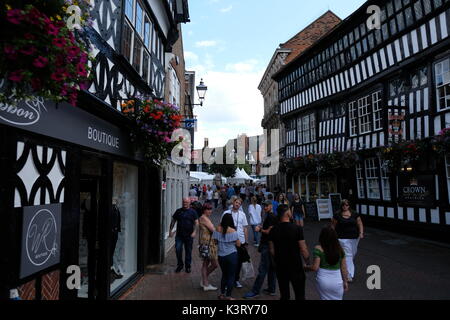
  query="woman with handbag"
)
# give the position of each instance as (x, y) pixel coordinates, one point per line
(228, 242)
(207, 247)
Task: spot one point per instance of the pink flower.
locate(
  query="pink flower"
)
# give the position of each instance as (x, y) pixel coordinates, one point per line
(9, 49)
(34, 16)
(81, 70)
(73, 51)
(16, 76)
(84, 58)
(52, 30)
(84, 86)
(59, 42)
(40, 62)
(14, 16)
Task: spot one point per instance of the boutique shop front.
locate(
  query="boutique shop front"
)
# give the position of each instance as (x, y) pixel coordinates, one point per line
(72, 196)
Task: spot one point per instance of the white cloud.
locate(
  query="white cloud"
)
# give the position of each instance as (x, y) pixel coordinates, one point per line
(245, 66)
(233, 102)
(206, 44)
(191, 57)
(227, 9)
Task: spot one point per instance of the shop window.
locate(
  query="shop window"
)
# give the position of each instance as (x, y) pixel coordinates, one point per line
(364, 115)
(372, 179)
(360, 181)
(442, 70)
(386, 185)
(124, 224)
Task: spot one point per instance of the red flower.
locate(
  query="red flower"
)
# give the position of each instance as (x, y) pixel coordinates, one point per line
(81, 70)
(28, 51)
(14, 16)
(34, 16)
(59, 42)
(57, 76)
(52, 30)
(16, 76)
(36, 84)
(29, 36)
(40, 62)
(73, 51)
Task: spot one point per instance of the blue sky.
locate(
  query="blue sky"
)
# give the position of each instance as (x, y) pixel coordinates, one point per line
(229, 43)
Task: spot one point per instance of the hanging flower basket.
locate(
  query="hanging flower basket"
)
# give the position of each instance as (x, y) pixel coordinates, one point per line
(442, 142)
(40, 53)
(155, 121)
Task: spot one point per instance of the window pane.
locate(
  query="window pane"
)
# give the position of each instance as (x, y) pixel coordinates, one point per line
(137, 54)
(418, 10)
(139, 17)
(126, 41)
(129, 9)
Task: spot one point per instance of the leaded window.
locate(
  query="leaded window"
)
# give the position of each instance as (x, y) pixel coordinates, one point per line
(364, 115)
(372, 178)
(377, 110)
(385, 183)
(360, 181)
(442, 70)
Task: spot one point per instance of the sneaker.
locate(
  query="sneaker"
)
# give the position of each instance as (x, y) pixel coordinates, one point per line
(238, 285)
(251, 295)
(270, 293)
(209, 288)
(178, 270)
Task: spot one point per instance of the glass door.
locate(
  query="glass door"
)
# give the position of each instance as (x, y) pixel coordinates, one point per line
(89, 237)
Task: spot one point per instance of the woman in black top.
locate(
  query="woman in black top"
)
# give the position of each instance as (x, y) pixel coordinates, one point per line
(350, 230)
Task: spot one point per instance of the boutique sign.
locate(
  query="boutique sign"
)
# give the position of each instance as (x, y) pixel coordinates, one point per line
(417, 190)
(41, 238)
(67, 123)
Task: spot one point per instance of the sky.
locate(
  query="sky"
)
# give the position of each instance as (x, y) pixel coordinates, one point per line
(229, 44)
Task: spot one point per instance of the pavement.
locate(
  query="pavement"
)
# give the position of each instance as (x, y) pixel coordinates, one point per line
(411, 269)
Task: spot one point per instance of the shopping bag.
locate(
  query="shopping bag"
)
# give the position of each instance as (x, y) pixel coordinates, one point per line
(248, 272)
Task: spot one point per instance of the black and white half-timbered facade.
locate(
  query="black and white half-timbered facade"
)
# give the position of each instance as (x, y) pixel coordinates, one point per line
(76, 167)
(342, 95)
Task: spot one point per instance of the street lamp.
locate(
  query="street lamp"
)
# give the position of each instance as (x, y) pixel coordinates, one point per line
(201, 90)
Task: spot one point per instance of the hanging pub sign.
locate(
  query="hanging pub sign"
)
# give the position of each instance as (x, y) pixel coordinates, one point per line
(41, 238)
(417, 190)
(396, 126)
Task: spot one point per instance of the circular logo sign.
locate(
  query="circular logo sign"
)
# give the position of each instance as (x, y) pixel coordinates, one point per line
(41, 240)
(21, 115)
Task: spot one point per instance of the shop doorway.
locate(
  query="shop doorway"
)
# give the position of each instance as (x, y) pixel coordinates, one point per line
(89, 242)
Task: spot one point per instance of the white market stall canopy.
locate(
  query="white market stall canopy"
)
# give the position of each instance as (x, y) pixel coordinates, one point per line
(240, 177)
(204, 178)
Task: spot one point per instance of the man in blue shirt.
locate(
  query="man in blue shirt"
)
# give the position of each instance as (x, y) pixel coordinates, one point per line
(230, 192)
(187, 222)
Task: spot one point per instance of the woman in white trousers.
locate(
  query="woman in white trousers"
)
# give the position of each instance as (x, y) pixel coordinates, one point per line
(329, 263)
(350, 230)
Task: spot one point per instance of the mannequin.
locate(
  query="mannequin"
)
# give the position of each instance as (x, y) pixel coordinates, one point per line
(115, 229)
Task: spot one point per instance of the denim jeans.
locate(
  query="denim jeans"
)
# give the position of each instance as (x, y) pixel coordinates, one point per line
(256, 235)
(265, 268)
(228, 264)
(187, 242)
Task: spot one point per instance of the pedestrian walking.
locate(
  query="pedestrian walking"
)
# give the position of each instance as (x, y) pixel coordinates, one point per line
(216, 198)
(255, 211)
(241, 223)
(192, 192)
(243, 193)
(230, 193)
(223, 198)
(298, 209)
(228, 241)
(266, 265)
(210, 258)
(350, 230)
(290, 196)
(186, 220)
(274, 203)
(282, 199)
(209, 194)
(329, 263)
(287, 246)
